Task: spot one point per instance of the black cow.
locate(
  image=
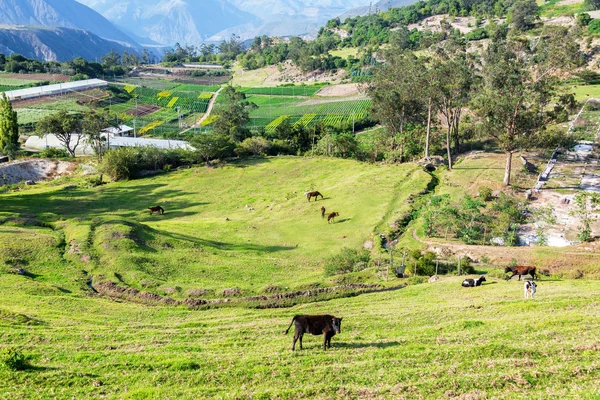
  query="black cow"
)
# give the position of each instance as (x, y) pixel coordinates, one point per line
(473, 282)
(326, 325)
(520, 270)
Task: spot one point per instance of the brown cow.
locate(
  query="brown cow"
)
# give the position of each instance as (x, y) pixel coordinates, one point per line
(520, 270)
(157, 209)
(326, 325)
(323, 212)
(331, 217)
(314, 194)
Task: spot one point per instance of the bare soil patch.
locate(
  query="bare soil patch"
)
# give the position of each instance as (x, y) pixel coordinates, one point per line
(144, 109)
(568, 2)
(34, 170)
(39, 77)
(346, 90)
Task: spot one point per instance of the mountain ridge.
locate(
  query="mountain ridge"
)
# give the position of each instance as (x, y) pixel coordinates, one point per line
(187, 22)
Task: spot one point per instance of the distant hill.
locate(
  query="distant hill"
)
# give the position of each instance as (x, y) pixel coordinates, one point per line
(61, 13)
(382, 5)
(192, 22)
(56, 44)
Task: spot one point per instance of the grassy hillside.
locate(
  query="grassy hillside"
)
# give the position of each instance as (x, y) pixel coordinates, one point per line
(245, 225)
(426, 341)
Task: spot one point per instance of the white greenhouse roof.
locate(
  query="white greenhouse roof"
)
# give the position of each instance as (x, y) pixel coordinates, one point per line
(159, 143)
(57, 88)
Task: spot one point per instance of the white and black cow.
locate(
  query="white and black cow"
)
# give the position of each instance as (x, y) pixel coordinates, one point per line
(529, 289)
(473, 282)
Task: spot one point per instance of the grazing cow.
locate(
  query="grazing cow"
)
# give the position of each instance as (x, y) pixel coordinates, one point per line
(520, 270)
(331, 217)
(529, 289)
(326, 325)
(314, 194)
(473, 282)
(323, 212)
(157, 209)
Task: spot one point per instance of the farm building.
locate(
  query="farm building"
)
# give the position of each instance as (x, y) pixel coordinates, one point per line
(55, 89)
(122, 130)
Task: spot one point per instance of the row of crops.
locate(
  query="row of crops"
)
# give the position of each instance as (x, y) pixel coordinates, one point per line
(195, 100)
(284, 90)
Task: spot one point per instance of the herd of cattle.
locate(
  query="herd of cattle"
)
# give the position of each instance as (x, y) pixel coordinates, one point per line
(328, 325)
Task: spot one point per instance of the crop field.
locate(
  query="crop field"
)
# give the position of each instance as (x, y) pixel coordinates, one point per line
(306, 113)
(284, 90)
(247, 225)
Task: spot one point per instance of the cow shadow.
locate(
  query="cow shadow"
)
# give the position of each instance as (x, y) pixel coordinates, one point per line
(363, 345)
(341, 221)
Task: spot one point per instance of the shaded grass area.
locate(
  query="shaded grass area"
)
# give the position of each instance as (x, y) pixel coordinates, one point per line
(247, 224)
(424, 341)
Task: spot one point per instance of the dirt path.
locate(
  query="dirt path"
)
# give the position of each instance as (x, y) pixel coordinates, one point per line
(553, 259)
(212, 103)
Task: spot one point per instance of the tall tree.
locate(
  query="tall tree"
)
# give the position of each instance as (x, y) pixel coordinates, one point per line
(451, 87)
(66, 128)
(524, 14)
(233, 115)
(9, 126)
(518, 83)
(396, 96)
(92, 129)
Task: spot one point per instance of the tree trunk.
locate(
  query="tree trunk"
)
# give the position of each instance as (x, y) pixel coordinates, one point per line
(428, 129)
(448, 148)
(456, 140)
(508, 169)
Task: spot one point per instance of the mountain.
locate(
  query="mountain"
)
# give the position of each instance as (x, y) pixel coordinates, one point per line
(380, 6)
(192, 21)
(56, 44)
(61, 13)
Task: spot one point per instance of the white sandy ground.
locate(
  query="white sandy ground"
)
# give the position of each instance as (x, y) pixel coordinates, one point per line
(33, 170)
(580, 168)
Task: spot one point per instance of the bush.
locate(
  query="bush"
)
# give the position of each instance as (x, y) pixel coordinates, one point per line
(583, 19)
(255, 145)
(477, 34)
(128, 162)
(13, 359)
(348, 260)
(485, 193)
(52, 152)
(594, 26)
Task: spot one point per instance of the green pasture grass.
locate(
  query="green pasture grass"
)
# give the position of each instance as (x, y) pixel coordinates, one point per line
(583, 92)
(247, 224)
(345, 52)
(551, 8)
(254, 78)
(32, 115)
(16, 82)
(423, 341)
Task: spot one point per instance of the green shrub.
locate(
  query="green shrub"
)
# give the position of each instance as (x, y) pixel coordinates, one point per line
(583, 19)
(477, 34)
(255, 146)
(52, 152)
(128, 162)
(594, 26)
(348, 260)
(485, 193)
(13, 359)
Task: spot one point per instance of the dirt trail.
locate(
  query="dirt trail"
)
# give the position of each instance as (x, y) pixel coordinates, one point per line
(580, 254)
(212, 103)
